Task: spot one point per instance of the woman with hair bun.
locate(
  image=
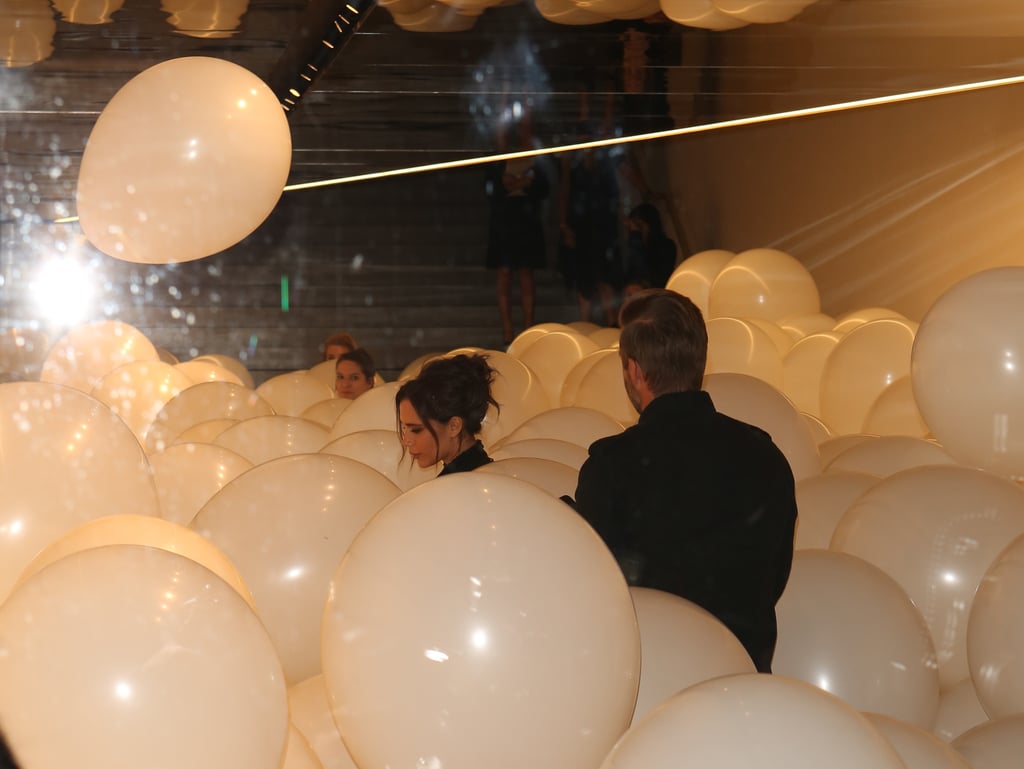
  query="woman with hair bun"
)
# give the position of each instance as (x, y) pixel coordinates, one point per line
(440, 413)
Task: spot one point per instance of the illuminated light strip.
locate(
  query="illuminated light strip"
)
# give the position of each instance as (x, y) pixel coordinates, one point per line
(736, 123)
(769, 118)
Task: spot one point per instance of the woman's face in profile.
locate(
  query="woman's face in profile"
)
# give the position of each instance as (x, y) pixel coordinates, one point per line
(415, 436)
(350, 381)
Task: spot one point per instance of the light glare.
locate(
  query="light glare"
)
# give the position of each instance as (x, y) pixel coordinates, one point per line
(62, 291)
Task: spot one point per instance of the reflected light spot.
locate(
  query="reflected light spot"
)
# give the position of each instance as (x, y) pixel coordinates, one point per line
(435, 655)
(241, 104)
(14, 528)
(123, 690)
(823, 683)
(950, 578)
(479, 639)
(294, 573)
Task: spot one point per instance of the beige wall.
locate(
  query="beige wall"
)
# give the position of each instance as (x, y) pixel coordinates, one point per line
(887, 206)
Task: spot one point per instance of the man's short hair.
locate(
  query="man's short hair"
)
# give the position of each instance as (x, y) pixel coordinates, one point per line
(664, 332)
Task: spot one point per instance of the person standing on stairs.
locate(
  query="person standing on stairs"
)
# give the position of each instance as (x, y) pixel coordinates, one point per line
(516, 189)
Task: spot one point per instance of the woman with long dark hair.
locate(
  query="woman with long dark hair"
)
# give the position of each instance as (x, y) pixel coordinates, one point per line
(440, 412)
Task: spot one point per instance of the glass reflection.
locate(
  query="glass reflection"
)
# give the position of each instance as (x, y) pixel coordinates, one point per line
(205, 18)
(27, 28)
(88, 11)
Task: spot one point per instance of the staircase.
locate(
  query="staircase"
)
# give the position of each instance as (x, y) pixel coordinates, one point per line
(398, 263)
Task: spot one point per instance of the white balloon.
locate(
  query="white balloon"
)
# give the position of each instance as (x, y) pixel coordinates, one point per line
(918, 748)
(581, 426)
(260, 439)
(959, 710)
(822, 501)
(202, 403)
(187, 475)
(87, 353)
(543, 448)
(311, 713)
(847, 627)
(556, 479)
(291, 394)
(382, 450)
(753, 720)
(187, 158)
(681, 645)
(997, 744)
(758, 403)
(886, 455)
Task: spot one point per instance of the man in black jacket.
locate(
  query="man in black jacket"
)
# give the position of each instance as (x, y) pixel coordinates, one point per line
(689, 500)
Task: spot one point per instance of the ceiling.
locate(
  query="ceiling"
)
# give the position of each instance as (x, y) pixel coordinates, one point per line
(394, 97)
(390, 98)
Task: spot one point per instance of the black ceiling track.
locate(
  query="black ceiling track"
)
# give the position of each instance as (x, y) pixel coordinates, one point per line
(318, 39)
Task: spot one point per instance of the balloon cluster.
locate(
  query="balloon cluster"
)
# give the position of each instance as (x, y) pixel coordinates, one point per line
(460, 15)
(260, 567)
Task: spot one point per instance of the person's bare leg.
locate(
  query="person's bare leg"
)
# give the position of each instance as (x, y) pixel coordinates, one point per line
(505, 302)
(586, 307)
(527, 291)
(607, 298)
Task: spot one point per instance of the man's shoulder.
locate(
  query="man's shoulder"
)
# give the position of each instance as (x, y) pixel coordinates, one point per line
(742, 428)
(612, 444)
(749, 442)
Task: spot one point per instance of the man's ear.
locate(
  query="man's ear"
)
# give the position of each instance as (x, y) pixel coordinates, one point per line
(635, 373)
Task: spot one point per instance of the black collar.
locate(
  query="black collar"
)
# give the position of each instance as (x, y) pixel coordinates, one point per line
(470, 459)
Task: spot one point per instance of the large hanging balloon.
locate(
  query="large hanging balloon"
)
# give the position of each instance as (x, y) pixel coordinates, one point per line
(967, 374)
(188, 158)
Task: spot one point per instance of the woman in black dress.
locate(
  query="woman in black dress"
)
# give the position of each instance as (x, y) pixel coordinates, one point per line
(651, 256)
